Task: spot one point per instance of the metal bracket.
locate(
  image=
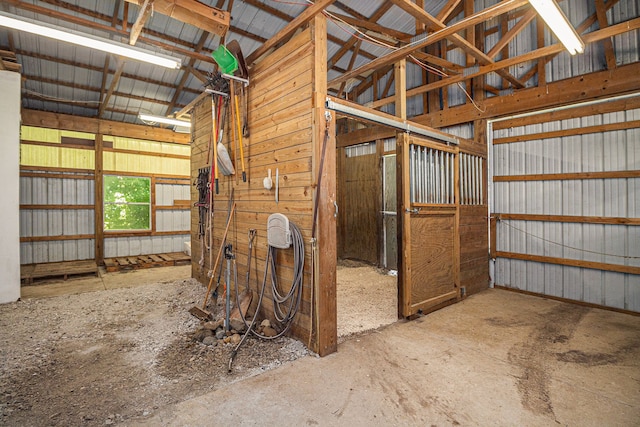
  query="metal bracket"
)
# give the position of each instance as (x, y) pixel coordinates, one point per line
(414, 210)
(335, 214)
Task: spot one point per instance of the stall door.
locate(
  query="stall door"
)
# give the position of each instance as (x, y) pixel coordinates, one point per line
(428, 241)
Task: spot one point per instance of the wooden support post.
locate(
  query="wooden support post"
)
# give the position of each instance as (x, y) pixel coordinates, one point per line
(400, 73)
(380, 200)
(542, 75)
(99, 200)
(326, 319)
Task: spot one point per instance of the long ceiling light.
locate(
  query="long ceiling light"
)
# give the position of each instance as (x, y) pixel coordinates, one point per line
(164, 120)
(559, 24)
(35, 27)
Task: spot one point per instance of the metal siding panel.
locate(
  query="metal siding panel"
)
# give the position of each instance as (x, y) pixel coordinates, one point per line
(86, 248)
(25, 190)
(572, 283)
(70, 222)
(26, 253)
(39, 187)
(54, 223)
(56, 251)
(70, 250)
(40, 252)
(633, 245)
(633, 292)
(39, 223)
(553, 279)
(535, 277)
(54, 191)
(593, 286)
(167, 244)
(519, 274)
(69, 192)
(146, 245)
(122, 246)
(135, 246)
(614, 289)
(110, 248)
(26, 223)
(157, 245)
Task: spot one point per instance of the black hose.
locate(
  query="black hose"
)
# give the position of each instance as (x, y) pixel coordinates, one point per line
(285, 306)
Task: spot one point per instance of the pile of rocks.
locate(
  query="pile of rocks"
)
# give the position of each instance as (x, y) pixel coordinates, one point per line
(213, 332)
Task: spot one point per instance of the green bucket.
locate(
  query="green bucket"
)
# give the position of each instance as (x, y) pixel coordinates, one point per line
(226, 61)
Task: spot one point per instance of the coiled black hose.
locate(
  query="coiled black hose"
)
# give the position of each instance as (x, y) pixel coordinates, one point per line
(285, 305)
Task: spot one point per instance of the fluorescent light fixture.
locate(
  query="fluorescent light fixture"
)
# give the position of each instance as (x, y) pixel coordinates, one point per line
(390, 121)
(551, 13)
(164, 120)
(39, 28)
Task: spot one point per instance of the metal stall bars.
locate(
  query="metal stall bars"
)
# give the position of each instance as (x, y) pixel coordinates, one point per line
(431, 173)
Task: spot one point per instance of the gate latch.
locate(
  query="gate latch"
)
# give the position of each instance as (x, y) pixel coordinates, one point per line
(413, 211)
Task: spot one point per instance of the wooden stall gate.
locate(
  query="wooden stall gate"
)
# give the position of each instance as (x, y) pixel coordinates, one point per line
(428, 231)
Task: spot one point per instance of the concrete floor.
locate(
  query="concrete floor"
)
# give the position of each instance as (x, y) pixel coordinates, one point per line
(496, 358)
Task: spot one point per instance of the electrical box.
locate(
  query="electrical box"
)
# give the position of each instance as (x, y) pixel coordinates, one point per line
(278, 233)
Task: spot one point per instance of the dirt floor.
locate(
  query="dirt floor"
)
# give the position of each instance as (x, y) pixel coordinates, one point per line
(95, 351)
(367, 298)
(116, 355)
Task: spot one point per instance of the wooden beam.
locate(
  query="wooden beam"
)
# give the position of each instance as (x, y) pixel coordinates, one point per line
(112, 87)
(623, 79)
(369, 24)
(610, 31)
(601, 13)
(56, 238)
(456, 38)
(185, 75)
(307, 15)
(352, 61)
(447, 10)
(506, 38)
(325, 316)
(441, 34)
(568, 176)
(104, 127)
(567, 218)
(609, 127)
(193, 12)
(571, 113)
(185, 110)
(99, 200)
(570, 262)
(400, 77)
(143, 16)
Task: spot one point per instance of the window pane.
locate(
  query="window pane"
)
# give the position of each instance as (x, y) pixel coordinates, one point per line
(127, 203)
(126, 217)
(124, 189)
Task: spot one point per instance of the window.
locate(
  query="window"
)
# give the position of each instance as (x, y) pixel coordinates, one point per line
(127, 203)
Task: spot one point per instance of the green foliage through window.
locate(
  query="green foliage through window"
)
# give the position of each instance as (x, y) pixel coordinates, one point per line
(127, 203)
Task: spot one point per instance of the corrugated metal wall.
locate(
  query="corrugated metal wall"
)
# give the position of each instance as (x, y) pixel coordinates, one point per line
(616, 244)
(45, 184)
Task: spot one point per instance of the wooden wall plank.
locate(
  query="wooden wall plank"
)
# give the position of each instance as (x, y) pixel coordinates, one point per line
(360, 208)
(283, 124)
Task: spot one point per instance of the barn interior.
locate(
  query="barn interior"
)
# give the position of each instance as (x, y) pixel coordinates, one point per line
(330, 178)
